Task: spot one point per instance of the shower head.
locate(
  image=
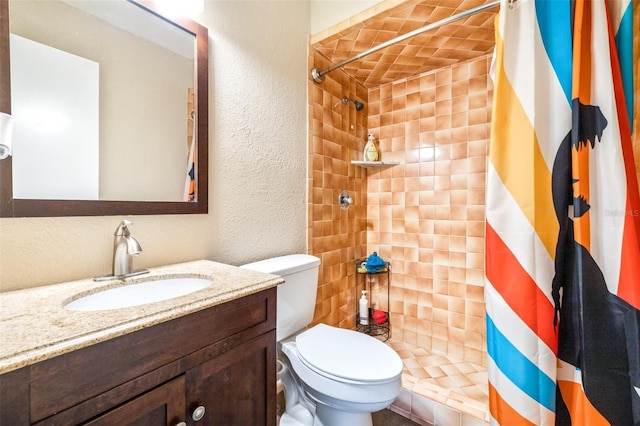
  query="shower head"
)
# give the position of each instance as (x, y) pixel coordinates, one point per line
(359, 105)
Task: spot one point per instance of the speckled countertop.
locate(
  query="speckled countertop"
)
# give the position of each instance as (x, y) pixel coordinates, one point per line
(34, 325)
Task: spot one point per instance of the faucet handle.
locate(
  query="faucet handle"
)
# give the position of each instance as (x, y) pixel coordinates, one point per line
(122, 230)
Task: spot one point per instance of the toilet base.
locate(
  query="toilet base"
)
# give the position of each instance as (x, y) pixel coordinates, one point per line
(330, 416)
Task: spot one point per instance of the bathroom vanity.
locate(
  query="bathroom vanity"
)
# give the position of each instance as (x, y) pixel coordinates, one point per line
(205, 358)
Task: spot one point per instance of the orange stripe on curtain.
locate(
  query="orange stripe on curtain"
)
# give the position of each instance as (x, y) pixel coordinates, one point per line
(501, 410)
(519, 290)
(580, 409)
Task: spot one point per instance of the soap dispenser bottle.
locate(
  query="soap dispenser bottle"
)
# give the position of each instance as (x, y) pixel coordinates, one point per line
(364, 309)
(371, 152)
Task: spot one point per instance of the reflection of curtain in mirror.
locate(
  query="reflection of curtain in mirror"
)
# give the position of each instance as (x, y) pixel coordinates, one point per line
(190, 182)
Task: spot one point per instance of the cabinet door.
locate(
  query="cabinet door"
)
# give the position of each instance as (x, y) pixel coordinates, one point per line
(164, 405)
(237, 388)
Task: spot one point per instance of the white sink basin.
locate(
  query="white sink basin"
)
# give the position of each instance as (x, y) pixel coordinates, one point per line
(138, 294)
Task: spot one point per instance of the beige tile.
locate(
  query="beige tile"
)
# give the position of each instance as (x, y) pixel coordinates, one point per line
(474, 420)
(403, 401)
(434, 393)
(422, 408)
(447, 416)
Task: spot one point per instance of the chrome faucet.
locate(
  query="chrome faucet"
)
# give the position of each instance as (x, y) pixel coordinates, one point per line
(124, 248)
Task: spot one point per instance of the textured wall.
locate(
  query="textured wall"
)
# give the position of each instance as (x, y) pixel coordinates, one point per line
(325, 13)
(258, 146)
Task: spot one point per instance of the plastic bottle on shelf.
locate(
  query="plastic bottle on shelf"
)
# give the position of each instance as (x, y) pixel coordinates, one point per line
(364, 309)
(371, 152)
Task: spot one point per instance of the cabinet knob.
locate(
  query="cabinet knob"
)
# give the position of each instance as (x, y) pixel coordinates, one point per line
(198, 413)
(181, 424)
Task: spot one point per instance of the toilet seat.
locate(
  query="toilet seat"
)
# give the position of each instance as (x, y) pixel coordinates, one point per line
(340, 393)
(347, 355)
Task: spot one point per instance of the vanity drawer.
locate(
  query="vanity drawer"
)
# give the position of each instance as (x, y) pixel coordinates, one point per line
(67, 380)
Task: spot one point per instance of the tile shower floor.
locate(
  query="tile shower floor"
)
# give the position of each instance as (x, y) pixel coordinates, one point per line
(449, 381)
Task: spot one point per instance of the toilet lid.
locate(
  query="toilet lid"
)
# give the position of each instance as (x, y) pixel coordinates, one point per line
(348, 354)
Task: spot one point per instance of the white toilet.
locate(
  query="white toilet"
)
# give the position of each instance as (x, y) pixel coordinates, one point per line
(331, 376)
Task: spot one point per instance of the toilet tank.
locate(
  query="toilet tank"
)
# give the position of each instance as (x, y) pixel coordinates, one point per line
(297, 296)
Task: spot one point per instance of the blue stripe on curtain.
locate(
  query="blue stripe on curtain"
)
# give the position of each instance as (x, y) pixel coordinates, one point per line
(519, 369)
(554, 22)
(624, 44)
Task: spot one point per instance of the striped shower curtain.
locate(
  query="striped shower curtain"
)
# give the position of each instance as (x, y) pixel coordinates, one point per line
(563, 217)
(190, 180)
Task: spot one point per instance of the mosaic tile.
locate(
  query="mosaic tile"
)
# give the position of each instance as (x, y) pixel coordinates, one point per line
(450, 381)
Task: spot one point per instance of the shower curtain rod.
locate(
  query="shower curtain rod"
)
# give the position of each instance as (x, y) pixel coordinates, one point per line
(318, 75)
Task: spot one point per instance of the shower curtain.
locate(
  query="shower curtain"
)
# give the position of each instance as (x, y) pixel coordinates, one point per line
(563, 217)
(190, 180)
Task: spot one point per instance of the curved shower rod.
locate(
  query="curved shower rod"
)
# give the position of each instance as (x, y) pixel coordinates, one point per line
(318, 75)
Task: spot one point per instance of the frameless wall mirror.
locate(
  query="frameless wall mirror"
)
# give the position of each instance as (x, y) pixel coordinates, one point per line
(109, 103)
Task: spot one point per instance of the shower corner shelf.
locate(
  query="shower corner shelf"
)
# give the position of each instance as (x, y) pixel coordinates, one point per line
(374, 164)
(378, 286)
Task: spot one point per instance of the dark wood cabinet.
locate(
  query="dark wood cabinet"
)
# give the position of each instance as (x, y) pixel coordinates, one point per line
(164, 405)
(221, 358)
(227, 385)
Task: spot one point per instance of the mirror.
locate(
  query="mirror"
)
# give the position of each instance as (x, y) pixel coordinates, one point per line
(137, 119)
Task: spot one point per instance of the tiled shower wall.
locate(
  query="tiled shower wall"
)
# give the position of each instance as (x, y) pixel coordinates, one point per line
(337, 132)
(426, 215)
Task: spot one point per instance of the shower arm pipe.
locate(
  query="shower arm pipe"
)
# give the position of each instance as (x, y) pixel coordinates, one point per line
(318, 75)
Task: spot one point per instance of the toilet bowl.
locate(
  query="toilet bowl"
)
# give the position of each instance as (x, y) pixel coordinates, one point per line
(347, 374)
(331, 376)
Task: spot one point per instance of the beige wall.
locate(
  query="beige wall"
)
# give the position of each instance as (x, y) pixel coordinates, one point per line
(257, 164)
(326, 13)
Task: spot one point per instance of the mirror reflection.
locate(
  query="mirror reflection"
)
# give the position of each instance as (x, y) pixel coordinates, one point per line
(103, 102)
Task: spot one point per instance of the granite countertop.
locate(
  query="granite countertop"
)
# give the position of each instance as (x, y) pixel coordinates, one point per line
(34, 325)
